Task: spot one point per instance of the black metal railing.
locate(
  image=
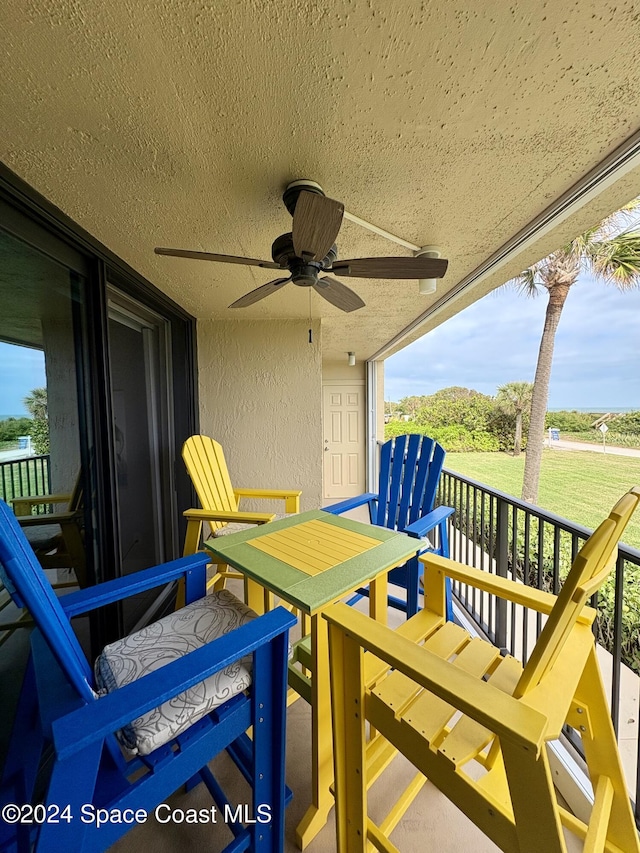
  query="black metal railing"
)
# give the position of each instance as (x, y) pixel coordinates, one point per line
(498, 533)
(21, 477)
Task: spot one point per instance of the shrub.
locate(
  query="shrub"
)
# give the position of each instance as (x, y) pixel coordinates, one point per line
(453, 438)
(395, 428)
(12, 428)
(458, 439)
(40, 435)
(569, 421)
(456, 407)
(502, 425)
(628, 424)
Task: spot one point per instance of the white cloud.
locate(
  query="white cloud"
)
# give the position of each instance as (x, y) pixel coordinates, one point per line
(496, 340)
(21, 370)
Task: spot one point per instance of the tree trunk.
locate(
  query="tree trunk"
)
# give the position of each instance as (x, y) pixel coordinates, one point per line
(517, 440)
(557, 297)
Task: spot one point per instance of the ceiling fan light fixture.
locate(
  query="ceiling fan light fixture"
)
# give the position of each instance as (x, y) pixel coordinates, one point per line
(428, 285)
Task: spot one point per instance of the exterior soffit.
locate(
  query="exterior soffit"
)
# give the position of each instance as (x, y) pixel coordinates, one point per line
(180, 125)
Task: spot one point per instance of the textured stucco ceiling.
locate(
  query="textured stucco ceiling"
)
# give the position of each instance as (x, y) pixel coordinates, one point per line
(180, 123)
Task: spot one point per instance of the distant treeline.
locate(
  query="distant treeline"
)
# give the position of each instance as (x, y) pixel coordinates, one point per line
(573, 422)
(463, 420)
(11, 428)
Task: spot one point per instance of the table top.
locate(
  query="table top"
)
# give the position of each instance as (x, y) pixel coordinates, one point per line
(313, 558)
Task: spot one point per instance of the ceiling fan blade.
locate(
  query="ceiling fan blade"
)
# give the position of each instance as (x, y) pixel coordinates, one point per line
(392, 267)
(223, 259)
(316, 222)
(338, 294)
(260, 293)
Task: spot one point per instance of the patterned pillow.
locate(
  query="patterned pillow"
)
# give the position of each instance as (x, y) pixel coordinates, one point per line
(162, 642)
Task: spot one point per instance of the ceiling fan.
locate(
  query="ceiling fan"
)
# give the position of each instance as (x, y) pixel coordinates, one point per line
(309, 251)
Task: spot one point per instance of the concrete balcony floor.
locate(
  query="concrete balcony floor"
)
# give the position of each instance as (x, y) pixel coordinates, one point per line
(431, 822)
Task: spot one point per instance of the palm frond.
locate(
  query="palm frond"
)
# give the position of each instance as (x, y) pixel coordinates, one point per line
(616, 260)
(528, 282)
(611, 249)
(621, 221)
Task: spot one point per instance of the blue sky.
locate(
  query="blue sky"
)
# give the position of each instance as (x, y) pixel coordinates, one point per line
(21, 370)
(596, 358)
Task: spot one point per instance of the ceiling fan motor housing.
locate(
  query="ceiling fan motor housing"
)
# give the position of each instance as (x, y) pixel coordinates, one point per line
(302, 272)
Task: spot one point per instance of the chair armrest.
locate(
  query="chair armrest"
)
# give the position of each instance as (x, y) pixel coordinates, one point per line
(228, 515)
(505, 716)
(92, 723)
(518, 593)
(27, 502)
(350, 503)
(423, 525)
(106, 593)
(291, 497)
(50, 518)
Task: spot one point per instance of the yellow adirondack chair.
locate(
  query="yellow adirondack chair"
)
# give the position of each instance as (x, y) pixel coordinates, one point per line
(57, 541)
(492, 761)
(56, 538)
(220, 501)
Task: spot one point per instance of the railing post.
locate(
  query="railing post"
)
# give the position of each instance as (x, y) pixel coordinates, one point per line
(502, 558)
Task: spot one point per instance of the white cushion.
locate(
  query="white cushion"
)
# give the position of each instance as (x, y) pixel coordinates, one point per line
(164, 641)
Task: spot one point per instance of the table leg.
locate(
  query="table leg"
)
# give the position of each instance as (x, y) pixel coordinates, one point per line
(378, 610)
(378, 591)
(321, 736)
(254, 596)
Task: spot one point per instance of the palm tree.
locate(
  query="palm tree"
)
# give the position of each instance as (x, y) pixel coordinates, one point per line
(36, 403)
(613, 257)
(515, 399)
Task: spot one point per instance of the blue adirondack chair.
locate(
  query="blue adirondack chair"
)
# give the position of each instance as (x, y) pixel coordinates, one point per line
(170, 718)
(410, 467)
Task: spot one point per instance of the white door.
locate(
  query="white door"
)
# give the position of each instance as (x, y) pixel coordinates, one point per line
(344, 440)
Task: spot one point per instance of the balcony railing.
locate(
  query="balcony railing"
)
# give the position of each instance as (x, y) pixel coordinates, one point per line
(498, 533)
(30, 476)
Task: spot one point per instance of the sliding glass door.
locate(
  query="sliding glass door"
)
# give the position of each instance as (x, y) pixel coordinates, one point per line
(142, 402)
(46, 446)
(97, 396)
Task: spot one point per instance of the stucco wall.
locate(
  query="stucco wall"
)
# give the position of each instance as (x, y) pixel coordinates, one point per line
(260, 388)
(332, 370)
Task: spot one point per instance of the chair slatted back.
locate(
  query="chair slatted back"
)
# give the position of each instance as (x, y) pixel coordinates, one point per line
(207, 468)
(27, 584)
(594, 562)
(76, 501)
(410, 467)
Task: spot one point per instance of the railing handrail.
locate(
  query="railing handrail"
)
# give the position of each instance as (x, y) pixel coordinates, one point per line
(565, 524)
(26, 475)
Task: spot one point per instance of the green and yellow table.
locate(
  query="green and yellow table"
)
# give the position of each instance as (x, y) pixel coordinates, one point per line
(312, 560)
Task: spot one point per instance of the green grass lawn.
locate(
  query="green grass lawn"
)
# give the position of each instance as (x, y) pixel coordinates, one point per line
(580, 486)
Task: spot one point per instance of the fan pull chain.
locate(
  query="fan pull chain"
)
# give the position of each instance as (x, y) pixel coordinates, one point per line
(310, 329)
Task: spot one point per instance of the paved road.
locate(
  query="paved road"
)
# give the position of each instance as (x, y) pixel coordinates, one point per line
(14, 455)
(594, 448)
